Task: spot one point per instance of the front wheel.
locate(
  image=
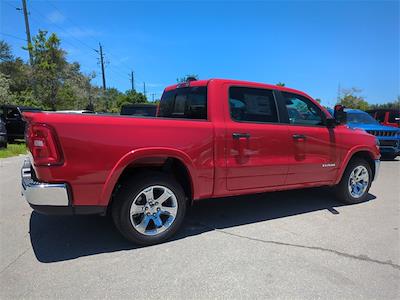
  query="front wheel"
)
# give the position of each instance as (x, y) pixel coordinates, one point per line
(150, 208)
(355, 183)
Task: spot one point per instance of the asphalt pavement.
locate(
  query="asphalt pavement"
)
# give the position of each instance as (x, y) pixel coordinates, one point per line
(296, 244)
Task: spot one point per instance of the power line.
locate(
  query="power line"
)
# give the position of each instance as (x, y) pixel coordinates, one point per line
(112, 68)
(66, 31)
(9, 4)
(111, 56)
(12, 36)
(64, 40)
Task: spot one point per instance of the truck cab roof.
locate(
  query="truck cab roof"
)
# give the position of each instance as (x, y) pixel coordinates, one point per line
(205, 82)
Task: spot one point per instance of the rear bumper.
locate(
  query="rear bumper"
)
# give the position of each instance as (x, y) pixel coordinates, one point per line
(51, 198)
(39, 193)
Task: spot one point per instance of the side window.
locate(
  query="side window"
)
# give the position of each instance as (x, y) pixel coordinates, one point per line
(252, 105)
(302, 111)
(380, 116)
(184, 103)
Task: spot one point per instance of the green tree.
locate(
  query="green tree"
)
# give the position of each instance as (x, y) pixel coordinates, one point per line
(5, 51)
(48, 67)
(280, 84)
(350, 99)
(132, 96)
(388, 105)
(4, 89)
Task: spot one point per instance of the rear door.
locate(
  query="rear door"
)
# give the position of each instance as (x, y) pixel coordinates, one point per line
(256, 142)
(313, 155)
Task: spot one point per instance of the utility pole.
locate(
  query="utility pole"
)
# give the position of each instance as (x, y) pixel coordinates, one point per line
(132, 81)
(102, 66)
(29, 42)
(28, 32)
(144, 89)
(152, 96)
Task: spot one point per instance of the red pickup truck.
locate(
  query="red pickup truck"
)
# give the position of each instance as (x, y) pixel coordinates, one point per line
(209, 139)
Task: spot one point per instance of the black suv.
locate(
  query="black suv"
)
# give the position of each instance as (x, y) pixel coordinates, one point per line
(15, 125)
(3, 134)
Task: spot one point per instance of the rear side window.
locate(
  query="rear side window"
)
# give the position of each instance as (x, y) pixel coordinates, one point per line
(252, 105)
(184, 103)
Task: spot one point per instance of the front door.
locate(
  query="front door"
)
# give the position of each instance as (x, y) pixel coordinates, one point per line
(256, 142)
(314, 152)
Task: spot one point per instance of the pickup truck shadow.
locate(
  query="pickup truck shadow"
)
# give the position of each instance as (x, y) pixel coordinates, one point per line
(59, 238)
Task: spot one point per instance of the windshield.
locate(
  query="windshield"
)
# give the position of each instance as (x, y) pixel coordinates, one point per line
(360, 118)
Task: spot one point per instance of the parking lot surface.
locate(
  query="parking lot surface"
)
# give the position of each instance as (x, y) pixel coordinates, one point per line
(296, 244)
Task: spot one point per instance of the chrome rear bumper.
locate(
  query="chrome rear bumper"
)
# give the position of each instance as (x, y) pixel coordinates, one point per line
(39, 193)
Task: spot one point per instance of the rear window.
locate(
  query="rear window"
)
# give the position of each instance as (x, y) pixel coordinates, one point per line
(184, 103)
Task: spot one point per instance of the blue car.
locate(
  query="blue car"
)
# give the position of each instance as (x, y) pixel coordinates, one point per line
(389, 137)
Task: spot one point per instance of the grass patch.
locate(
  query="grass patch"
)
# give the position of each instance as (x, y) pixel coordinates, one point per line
(13, 150)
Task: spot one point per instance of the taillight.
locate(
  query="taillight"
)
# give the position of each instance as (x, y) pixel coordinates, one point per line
(42, 143)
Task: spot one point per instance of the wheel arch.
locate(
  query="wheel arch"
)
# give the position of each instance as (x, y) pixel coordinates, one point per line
(362, 153)
(162, 159)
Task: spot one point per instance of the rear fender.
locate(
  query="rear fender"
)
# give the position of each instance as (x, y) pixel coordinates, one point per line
(131, 157)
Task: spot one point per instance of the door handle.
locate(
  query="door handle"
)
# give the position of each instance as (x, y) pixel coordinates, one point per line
(237, 135)
(299, 136)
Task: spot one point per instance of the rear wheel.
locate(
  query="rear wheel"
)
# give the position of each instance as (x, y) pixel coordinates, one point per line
(355, 183)
(150, 208)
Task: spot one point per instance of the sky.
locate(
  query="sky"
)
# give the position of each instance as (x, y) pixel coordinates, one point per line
(314, 46)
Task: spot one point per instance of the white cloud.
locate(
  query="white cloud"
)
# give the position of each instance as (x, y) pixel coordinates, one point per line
(56, 17)
(79, 32)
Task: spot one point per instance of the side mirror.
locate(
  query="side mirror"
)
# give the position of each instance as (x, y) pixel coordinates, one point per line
(339, 114)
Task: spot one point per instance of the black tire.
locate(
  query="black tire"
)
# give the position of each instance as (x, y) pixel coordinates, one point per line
(127, 193)
(342, 189)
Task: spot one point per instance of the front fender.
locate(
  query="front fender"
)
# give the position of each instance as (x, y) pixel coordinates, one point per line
(134, 155)
(356, 149)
